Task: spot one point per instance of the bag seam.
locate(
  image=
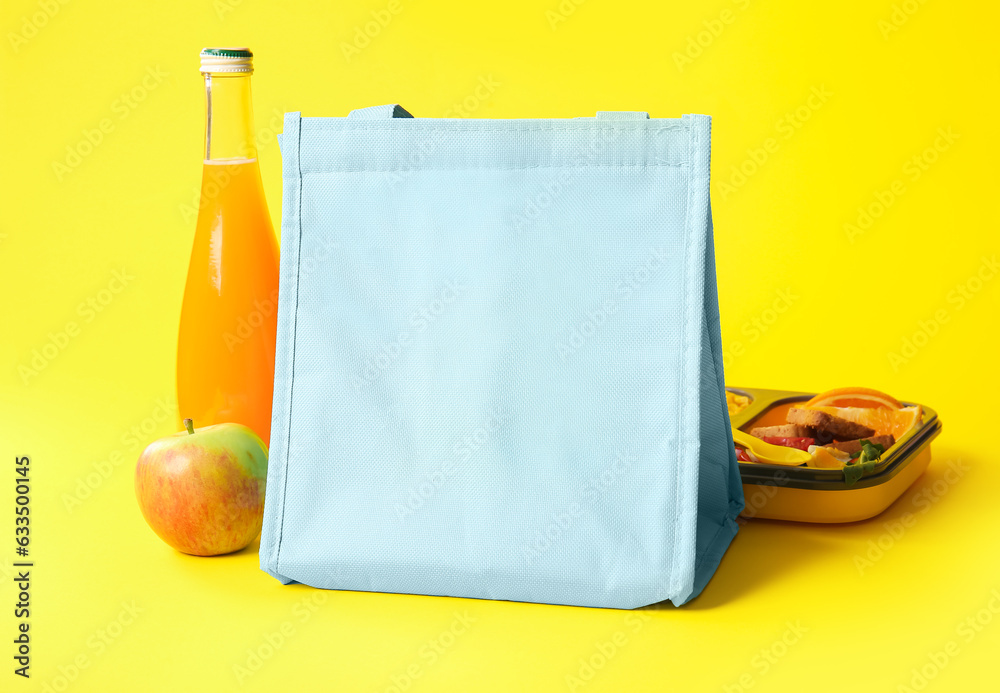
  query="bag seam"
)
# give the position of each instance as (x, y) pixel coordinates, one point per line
(682, 376)
(295, 316)
(687, 388)
(465, 126)
(679, 164)
(727, 526)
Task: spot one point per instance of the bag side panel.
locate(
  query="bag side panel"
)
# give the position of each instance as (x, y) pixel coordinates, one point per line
(271, 532)
(720, 492)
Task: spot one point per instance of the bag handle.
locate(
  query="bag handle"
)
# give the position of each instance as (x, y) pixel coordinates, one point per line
(392, 110)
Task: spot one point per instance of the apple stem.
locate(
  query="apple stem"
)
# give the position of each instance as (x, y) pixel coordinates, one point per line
(189, 425)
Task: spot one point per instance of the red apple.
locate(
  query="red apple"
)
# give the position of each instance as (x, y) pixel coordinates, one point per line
(202, 491)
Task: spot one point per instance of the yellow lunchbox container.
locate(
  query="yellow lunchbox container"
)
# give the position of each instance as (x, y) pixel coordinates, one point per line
(803, 494)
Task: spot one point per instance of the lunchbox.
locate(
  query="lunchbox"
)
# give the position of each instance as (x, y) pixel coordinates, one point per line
(803, 494)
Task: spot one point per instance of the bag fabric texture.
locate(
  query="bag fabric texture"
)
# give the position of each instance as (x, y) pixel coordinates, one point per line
(499, 367)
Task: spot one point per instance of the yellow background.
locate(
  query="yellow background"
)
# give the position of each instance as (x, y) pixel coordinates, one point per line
(891, 87)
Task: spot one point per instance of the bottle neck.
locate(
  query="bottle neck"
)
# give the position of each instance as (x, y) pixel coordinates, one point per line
(229, 132)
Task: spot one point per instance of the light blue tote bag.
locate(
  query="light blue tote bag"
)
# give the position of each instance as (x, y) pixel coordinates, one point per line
(499, 367)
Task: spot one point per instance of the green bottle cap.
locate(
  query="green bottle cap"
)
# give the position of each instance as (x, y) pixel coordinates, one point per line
(231, 60)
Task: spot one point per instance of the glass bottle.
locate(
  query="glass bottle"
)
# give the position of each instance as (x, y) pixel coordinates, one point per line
(225, 352)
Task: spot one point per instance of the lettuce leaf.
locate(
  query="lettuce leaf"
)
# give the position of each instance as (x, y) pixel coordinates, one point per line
(863, 462)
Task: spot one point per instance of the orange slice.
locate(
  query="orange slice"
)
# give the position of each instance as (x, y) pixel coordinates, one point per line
(884, 421)
(822, 458)
(863, 397)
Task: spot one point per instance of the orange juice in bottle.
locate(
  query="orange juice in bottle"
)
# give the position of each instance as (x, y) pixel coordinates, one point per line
(225, 352)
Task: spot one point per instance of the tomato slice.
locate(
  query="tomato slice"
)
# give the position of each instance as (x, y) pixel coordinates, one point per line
(742, 455)
(798, 443)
